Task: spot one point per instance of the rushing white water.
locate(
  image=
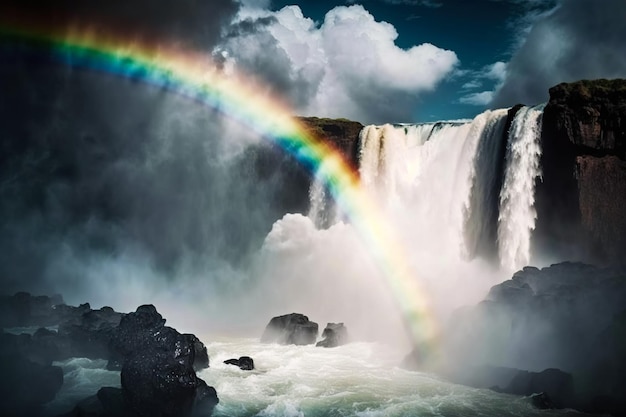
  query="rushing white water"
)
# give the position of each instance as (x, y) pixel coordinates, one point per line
(517, 198)
(82, 378)
(354, 380)
(358, 379)
(429, 171)
(317, 198)
(452, 175)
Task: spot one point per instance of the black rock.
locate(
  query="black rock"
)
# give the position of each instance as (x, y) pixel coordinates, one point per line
(108, 402)
(135, 331)
(204, 401)
(90, 335)
(335, 334)
(541, 401)
(158, 376)
(556, 384)
(201, 356)
(290, 329)
(245, 363)
(25, 385)
(24, 309)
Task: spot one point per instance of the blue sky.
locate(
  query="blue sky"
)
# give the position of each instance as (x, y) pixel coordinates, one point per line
(487, 53)
(379, 61)
(480, 32)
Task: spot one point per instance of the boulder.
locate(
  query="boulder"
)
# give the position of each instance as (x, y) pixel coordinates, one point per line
(108, 402)
(24, 309)
(245, 363)
(158, 376)
(25, 386)
(290, 329)
(135, 331)
(556, 384)
(201, 356)
(541, 401)
(335, 334)
(90, 335)
(541, 318)
(204, 401)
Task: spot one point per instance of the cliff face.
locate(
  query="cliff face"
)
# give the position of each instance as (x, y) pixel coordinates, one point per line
(342, 133)
(581, 200)
(285, 177)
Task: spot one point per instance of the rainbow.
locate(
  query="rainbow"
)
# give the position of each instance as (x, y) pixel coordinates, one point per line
(196, 77)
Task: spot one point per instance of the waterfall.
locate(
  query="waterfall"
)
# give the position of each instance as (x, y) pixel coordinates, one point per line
(517, 197)
(322, 209)
(481, 216)
(465, 187)
(427, 172)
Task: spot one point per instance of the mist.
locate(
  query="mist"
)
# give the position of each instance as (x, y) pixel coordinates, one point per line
(120, 194)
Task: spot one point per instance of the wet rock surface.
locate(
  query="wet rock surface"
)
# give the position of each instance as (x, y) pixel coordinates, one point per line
(290, 329)
(335, 334)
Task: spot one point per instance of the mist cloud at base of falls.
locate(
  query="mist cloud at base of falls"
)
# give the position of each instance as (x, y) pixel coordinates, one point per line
(142, 197)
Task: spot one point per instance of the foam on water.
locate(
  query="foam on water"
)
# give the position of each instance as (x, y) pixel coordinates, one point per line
(82, 378)
(358, 379)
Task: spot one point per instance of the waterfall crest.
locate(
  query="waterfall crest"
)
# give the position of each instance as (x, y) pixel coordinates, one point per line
(464, 186)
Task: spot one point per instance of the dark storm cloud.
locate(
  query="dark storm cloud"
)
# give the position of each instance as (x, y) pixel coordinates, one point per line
(97, 170)
(258, 52)
(349, 65)
(192, 22)
(273, 66)
(581, 39)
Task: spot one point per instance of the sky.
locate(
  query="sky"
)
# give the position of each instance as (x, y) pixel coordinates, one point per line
(424, 60)
(380, 61)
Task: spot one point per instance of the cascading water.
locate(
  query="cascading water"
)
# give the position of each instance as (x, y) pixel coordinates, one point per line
(517, 198)
(317, 199)
(451, 179)
(481, 216)
(428, 172)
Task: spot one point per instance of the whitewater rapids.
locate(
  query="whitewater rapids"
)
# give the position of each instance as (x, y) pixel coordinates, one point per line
(358, 379)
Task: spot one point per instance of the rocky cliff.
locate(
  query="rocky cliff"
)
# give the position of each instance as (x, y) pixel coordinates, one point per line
(581, 199)
(342, 133)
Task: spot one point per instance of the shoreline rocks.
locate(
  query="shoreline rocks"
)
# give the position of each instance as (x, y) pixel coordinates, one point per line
(290, 329)
(245, 363)
(335, 334)
(158, 364)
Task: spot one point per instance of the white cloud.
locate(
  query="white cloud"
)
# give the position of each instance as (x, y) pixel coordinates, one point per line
(494, 73)
(471, 85)
(477, 99)
(348, 66)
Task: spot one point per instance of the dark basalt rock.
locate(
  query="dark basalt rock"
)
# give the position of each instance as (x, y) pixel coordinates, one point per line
(204, 401)
(201, 356)
(581, 197)
(290, 329)
(335, 334)
(558, 385)
(89, 336)
(158, 376)
(245, 363)
(108, 402)
(541, 401)
(24, 385)
(24, 309)
(568, 316)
